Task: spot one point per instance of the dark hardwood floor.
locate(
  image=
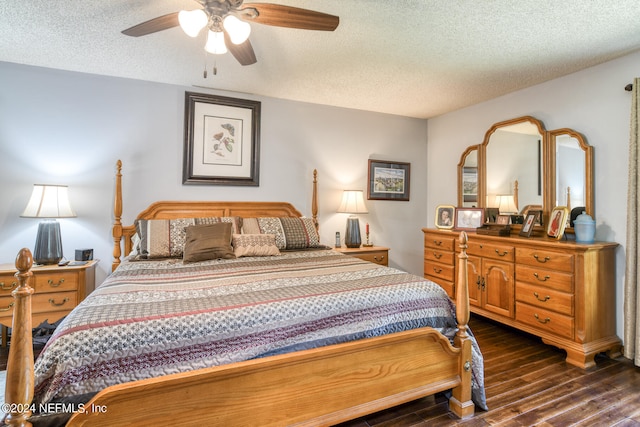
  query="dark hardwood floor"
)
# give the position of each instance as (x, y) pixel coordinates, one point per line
(527, 383)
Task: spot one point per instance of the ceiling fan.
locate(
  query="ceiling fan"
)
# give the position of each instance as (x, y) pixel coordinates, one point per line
(228, 26)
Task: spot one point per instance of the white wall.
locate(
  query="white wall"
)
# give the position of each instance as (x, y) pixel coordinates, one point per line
(593, 102)
(70, 128)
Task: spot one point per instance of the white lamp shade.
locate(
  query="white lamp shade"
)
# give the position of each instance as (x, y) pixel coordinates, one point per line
(49, 201)
(238, 30)
(352, 202)
(192, 21)
(506, 203)
(215, 43)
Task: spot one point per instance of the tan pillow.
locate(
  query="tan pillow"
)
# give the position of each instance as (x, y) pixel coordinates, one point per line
(205, 242)
(254, 245)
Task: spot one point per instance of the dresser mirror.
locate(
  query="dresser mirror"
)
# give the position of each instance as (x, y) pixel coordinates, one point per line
(540, 169)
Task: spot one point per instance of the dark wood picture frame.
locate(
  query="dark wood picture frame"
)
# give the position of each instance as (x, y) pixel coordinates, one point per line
(529, 224)
(221, 140)
(388, 180)
(469, 218)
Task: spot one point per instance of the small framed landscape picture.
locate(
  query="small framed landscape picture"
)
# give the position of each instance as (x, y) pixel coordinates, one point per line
(557, 222)
(444, 216)
(529, 223)
(469, 218)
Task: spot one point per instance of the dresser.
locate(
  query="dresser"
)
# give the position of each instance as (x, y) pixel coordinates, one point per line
(561, 291)
(375, 254)
(57, 290)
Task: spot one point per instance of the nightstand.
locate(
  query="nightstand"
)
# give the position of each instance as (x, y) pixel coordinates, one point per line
(57, 291)
(376, 254)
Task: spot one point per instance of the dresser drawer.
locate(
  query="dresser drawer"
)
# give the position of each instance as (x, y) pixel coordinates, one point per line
(545, 259)
(546, 298)
(489, 250)
(8, 283)
(55, 281)
(439, 271)
(545, 320)
(436, 255)
(543, 277)
(438, 241)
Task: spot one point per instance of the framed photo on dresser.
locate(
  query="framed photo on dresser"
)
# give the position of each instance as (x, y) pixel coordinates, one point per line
(469, 218)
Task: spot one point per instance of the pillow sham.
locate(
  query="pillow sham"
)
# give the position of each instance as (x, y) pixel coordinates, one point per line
(254, 245)
(290, 233)
(206, 242)
(165, 238)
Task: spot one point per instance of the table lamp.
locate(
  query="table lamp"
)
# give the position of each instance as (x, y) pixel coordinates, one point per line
(352, 203)
(506, 204)
(48, 202)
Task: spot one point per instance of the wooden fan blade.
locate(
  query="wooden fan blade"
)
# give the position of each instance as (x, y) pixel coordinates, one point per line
(160, 23)
(288, 16)
(242, 52)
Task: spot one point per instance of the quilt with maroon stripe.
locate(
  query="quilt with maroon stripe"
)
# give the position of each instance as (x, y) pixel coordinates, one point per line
(153, 318)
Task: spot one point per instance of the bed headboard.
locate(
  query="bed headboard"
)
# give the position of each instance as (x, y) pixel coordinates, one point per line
(196, 209)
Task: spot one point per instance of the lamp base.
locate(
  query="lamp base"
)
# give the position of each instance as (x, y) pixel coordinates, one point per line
(48, 248)
(352, 236)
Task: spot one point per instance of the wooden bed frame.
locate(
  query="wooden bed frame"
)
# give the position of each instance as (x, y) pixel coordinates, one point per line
(321, 386)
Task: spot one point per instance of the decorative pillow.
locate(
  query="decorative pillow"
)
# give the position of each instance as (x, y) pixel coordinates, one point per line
(254, 245)
(290, 233)
(205, 242)
(165, 238)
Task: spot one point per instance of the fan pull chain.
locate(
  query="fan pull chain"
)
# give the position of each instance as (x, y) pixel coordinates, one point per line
(205, 65)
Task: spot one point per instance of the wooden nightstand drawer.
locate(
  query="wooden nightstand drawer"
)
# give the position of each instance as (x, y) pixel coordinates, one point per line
(58, 301)
(8, 283)
(55, 282)
(376, 254)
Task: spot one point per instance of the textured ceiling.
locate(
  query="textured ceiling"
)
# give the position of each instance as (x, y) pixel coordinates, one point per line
(417, 58)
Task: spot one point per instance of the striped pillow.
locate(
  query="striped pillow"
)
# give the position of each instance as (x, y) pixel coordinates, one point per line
(290, 233)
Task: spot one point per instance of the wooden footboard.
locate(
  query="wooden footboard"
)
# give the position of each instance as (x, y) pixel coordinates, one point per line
(321, 386)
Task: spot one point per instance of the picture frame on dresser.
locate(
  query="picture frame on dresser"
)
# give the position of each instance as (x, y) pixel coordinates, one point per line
(221, 140)
(557, 222)
(469, 218)
(445, 215)
(529, 224)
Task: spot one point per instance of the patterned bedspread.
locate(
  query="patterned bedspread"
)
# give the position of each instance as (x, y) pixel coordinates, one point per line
(154, 318)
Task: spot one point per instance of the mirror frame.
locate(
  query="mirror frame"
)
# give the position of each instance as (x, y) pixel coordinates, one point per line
(548, 164)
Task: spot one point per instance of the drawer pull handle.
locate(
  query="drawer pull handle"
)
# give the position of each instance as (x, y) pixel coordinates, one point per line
(502, 254)
(379, 260)
(58, 304)
(545, 299)
(546, 277)
(437, 270)
(546, 319)
(8, 307)
(545, 259)
(437, 255)
(8, 288)
(437, 242)
(54, 284)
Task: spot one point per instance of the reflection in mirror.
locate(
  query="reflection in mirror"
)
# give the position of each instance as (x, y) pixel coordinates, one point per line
(570, 172)
(468, 178)
(514, 154)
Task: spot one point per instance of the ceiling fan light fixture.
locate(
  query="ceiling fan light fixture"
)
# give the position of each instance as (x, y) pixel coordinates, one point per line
(238, 30)
(192, 21)
(215, 43)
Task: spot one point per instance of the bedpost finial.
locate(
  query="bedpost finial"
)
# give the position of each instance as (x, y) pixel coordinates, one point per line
(24, 260)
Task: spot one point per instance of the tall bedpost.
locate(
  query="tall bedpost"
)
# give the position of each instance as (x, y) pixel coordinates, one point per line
(19, 388)
(314, 200)
(117, 214)
(460, 403)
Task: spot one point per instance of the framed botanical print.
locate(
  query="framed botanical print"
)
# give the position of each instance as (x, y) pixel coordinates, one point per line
(221, 140)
